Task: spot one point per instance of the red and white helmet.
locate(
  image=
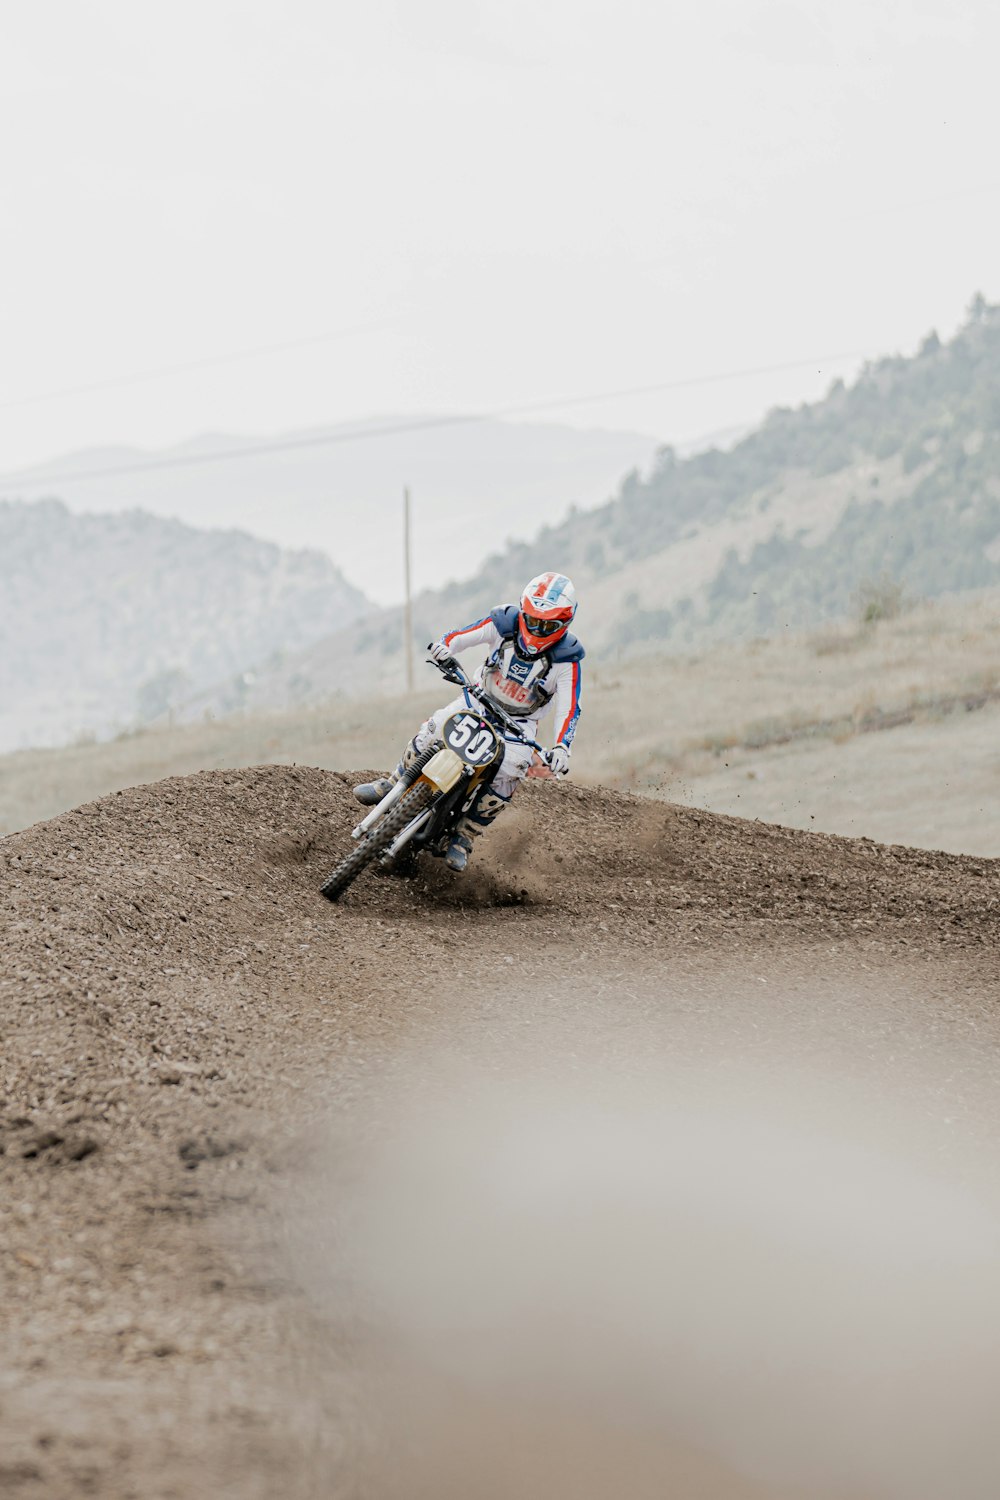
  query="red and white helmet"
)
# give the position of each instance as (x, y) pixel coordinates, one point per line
(547, 608)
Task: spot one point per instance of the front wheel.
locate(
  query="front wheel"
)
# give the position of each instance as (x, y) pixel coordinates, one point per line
(409, 806)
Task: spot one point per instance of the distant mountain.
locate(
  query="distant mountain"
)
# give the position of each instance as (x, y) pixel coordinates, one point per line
(109, 621)
(897, 475)
(475, 484)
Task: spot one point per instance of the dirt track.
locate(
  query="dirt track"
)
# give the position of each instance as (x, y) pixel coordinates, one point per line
(182, 1014)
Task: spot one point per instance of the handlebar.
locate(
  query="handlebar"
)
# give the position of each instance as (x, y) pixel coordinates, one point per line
(453, 672)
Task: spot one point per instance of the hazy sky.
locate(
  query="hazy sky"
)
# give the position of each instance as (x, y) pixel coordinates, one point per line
(506, 200)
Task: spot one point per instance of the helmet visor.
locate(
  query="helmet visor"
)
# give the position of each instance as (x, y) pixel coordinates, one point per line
(535, 625)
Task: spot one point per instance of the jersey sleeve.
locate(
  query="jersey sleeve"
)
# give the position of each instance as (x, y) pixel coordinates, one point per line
(480, 633)
(567, 701)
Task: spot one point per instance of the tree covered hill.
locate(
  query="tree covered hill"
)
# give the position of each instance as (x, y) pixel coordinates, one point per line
(106, 621)
(897, 474)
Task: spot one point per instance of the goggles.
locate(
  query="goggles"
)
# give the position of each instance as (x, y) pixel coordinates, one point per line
(535, 625)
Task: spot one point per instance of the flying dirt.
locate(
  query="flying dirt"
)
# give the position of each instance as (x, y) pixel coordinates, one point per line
(396, 1197)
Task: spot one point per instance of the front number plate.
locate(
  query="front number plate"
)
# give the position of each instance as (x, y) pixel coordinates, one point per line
(471, 738)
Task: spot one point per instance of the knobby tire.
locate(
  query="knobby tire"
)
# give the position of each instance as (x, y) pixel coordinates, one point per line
(407, 808)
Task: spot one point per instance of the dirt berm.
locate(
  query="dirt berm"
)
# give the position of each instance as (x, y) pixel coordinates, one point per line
(181, 1011)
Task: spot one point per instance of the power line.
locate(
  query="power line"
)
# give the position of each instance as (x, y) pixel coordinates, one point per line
(677, 385)
(907, 206)
(209, 362)
(417, 424)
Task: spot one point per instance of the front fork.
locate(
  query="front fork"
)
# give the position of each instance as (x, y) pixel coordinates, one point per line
(409, 776)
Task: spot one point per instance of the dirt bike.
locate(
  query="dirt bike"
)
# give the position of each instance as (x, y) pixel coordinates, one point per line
(419, 814)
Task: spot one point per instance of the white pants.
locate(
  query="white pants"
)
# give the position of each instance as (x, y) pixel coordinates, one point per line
(517, 757)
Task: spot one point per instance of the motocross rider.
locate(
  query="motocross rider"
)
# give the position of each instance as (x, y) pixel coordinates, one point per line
(533, 667)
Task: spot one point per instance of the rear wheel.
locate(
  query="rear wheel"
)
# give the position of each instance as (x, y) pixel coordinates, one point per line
(375, 843)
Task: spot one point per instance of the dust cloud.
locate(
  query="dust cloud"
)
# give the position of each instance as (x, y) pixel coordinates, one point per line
(657, 1260)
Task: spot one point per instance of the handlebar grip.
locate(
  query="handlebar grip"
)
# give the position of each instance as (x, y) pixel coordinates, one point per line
(449, 669)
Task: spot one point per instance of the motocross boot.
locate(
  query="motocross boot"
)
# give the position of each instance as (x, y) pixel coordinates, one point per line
(458, 851)
(487, 806)
(369, 793)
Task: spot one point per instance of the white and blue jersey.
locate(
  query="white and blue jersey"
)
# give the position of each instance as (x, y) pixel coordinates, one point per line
(528, 688)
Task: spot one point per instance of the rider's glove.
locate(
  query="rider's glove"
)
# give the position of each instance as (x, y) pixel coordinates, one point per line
(439, 652)
(558, 759)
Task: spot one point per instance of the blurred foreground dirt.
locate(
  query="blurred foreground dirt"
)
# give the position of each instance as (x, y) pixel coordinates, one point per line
(182, 1014)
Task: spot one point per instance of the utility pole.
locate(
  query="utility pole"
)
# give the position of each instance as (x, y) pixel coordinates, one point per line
(408, 608)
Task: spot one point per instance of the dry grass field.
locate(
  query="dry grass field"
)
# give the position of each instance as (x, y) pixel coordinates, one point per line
(888, 730)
